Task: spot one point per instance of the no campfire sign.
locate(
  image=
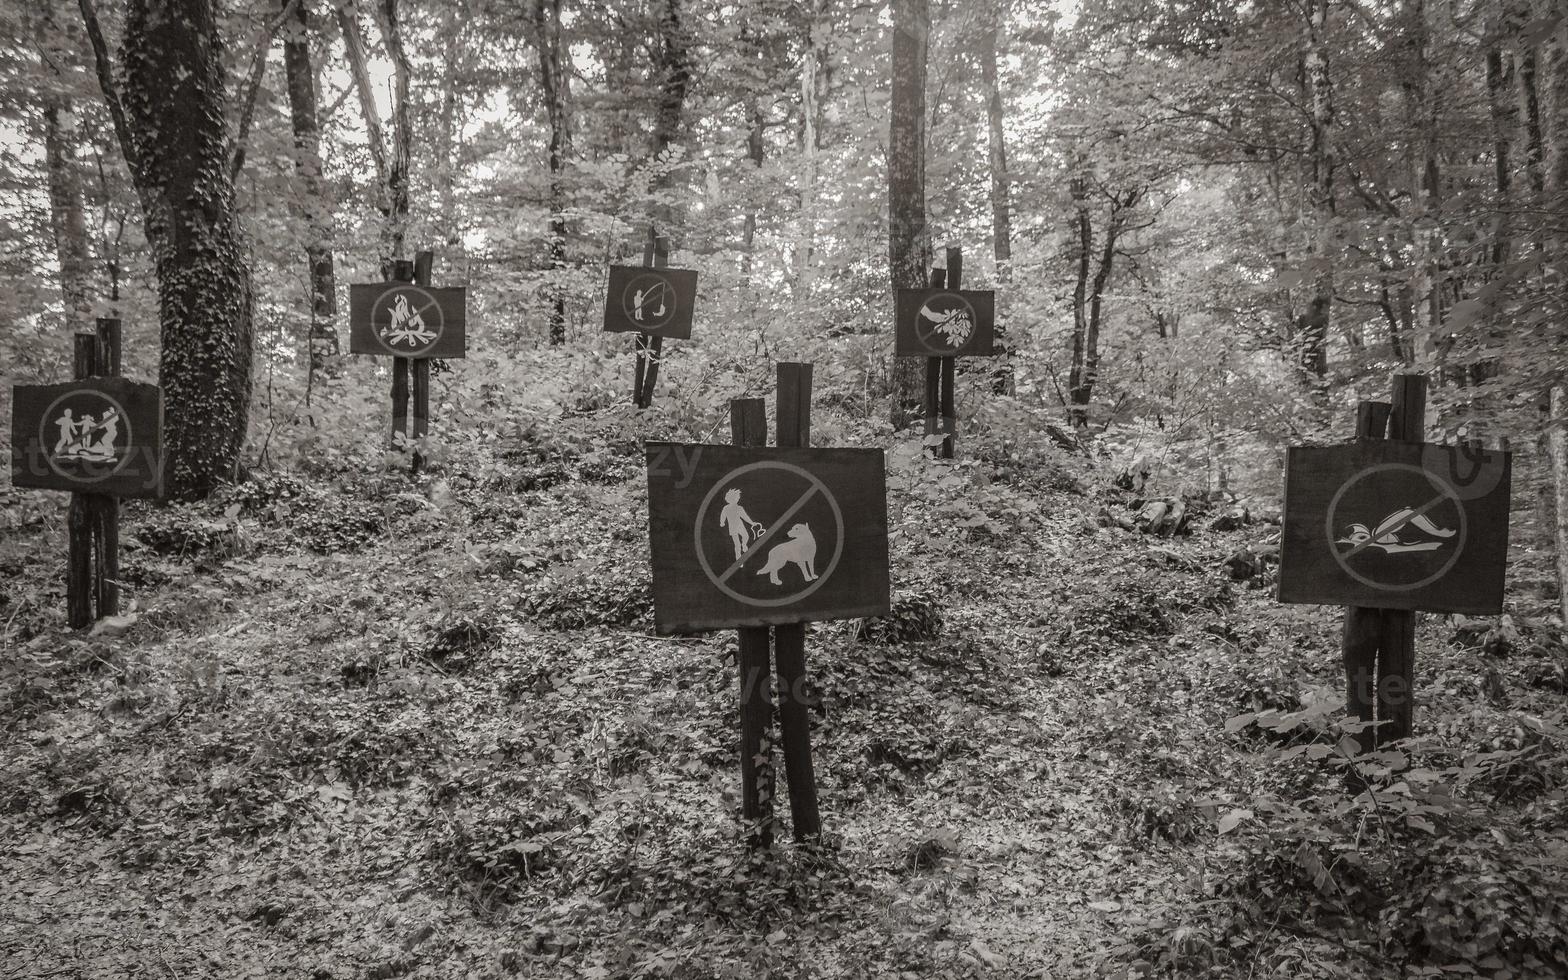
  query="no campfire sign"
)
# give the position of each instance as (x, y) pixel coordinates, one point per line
(654, 301)
(945, 323)
(1396, 525)
(758, 536)
(104, 435)
(405, 320)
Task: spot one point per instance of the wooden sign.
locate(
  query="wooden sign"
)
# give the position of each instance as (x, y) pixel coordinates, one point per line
(102, 436)
(1396, 525)
(945, 323)
(754, 536)
(405, 320)
(654, 301)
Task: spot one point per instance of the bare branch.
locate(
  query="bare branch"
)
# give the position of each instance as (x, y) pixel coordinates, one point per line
(111, 92)
(355, 46)
(258, 69)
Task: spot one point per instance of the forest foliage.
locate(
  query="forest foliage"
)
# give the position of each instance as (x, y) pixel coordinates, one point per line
(358, 723)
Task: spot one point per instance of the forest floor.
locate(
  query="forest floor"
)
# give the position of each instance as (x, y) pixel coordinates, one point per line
(364, 725)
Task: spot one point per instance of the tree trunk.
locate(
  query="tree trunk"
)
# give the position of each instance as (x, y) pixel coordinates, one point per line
(554, 80)
(1089, 297)
(66, 207)
(391, 170)
(172, 127)
(314, 207)
(1001, 198)
(810, 144)
(395, 231)
(1557, 453)
(673, 74)
(909, 243)
(1083, 222)
(1316, 322)
(1003, 377)
(756, 146)
(1554, 128)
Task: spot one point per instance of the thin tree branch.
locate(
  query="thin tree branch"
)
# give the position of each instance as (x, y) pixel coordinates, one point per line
(355, 46)
(111, 92)
(258, 70)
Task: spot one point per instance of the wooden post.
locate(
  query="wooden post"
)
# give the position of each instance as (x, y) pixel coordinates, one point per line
(1363, 627)
(402, 271)
(421, 369)
(940, 404)
(104, 510)
(948, 400)
(655, 254)
(789, 642)
(79, 523)
(749, 427)
(1397, 645)
(931, 403)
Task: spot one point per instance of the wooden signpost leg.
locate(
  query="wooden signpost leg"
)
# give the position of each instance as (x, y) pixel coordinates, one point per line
(421, 369)
(402, 271)
(931, 403)
(104, 510)
(1396, 648)
(79, 523)
(940, 405)
(1363, 626)
(655, 254)
(749, 427)
(794, 413)
(948, 407)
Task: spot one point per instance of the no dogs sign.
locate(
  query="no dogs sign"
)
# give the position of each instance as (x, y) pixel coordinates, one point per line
(755, 537)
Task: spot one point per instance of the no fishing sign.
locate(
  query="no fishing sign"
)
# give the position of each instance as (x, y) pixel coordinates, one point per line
(763, 536)
(1396, 525)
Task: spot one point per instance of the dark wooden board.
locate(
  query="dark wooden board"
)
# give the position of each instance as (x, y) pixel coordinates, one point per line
(945, 323)
(118, 453)
(1343, 543)
(837, 496)
(435, 320)
(654, 301)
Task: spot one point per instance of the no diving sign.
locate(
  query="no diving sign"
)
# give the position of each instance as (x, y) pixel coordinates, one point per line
(754, 537)
(1396, 525)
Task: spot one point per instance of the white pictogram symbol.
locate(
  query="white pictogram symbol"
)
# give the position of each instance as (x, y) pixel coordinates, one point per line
(90, 438)
(946, 320)
(791, 562)
(1361, 547)
(408, 320)
(649, 301)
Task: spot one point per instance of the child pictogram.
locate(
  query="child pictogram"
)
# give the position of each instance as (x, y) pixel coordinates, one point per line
(739, 523)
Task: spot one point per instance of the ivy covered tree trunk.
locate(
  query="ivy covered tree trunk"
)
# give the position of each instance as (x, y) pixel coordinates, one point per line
(172, 126)
(314, 205)
(909, 242)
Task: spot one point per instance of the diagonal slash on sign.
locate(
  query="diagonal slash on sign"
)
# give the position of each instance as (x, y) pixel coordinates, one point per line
(1418, 512)
(768, 534)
